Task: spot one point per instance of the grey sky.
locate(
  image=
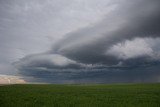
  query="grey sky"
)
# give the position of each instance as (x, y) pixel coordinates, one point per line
(81, 36)
(29, 27)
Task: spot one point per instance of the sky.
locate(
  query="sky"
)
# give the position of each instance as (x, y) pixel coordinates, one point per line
(80, 41)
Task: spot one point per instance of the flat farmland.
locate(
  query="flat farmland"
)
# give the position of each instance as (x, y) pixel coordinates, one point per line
(80, 95)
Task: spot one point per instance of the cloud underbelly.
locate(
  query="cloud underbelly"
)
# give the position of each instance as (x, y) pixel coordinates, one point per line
(128, 38)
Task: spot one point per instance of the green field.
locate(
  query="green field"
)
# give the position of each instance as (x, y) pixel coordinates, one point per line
(116, 95)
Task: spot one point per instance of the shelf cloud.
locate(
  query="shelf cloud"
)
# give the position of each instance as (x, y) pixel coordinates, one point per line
(85, 41)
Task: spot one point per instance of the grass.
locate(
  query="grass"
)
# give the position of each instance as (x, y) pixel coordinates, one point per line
(120, 95)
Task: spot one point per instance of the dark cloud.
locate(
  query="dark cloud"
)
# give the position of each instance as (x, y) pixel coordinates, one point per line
(123, 47)
(47, 61)
(107, 75)
(131, 20)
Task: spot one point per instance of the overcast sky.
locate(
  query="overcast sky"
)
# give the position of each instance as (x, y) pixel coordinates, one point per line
(77, 41)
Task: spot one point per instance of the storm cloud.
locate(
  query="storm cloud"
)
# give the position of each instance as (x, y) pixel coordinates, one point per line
(130, 20)
(99, 42)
